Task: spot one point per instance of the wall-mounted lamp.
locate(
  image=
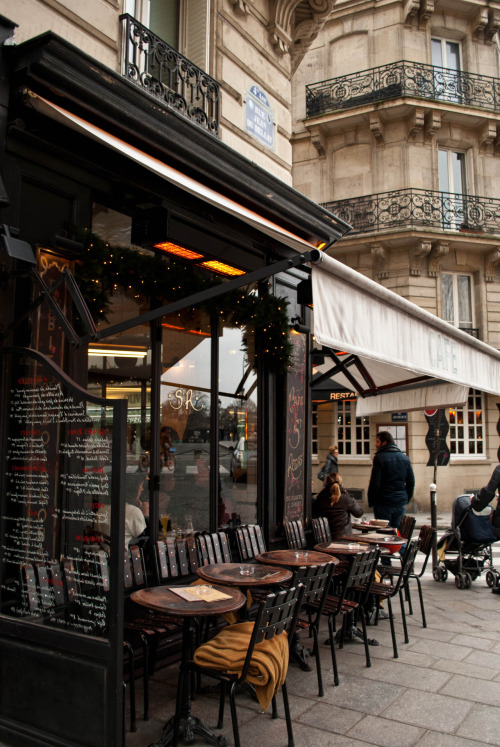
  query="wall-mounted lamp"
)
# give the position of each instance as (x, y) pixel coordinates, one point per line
(298, 325)
(14, 247)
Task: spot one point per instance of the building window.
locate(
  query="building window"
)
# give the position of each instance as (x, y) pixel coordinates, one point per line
(466, 427)
(353, 435)
(446, 57)
(314, 432)
(457, 305)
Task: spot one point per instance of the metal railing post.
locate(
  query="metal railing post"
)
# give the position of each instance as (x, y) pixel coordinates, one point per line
(432, 488)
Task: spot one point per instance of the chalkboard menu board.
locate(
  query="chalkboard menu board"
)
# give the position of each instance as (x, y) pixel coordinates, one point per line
(57, 470)
(295, 431)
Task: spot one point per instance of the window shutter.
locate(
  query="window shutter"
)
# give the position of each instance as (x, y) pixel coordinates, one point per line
(195, 15)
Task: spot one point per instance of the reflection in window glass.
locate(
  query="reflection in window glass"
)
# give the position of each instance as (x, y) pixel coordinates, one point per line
(237, 431)
(354, 441)
(185, 421)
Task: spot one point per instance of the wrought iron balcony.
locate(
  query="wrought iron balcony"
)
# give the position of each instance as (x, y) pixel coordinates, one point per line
(472, 331)
(403, 79)
(162, 71)
(408, 208)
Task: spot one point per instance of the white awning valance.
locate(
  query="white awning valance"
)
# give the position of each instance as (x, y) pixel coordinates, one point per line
(399, 345)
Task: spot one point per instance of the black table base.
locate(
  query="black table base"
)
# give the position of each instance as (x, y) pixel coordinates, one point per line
(188, 728)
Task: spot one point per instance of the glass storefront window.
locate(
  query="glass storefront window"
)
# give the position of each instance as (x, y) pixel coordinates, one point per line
(185, 425)
(237, 498)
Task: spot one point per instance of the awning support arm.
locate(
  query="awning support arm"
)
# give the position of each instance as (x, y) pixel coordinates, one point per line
(202, 296)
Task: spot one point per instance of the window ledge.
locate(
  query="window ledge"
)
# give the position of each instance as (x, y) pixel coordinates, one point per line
(470, 460)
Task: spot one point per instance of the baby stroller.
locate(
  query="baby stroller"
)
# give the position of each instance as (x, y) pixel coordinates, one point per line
(465, 548)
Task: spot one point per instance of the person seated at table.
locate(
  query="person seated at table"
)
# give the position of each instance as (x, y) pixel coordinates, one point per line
(135, 521)
(336, 505)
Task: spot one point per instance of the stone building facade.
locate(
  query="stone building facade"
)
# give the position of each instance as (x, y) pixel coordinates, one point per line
(397, 130)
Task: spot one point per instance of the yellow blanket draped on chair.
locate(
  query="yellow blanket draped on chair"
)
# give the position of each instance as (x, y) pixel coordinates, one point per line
(227, 651)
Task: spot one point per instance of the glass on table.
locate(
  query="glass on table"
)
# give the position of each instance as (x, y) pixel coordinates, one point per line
(301, 554)
(246, 570)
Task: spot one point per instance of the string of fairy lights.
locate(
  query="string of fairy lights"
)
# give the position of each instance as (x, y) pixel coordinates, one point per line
(105, 269)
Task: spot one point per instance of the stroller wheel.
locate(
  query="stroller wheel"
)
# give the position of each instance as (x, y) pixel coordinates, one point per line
(467, 580)
(490, 579)
(459, 580)
(436, 573)
(444, 574)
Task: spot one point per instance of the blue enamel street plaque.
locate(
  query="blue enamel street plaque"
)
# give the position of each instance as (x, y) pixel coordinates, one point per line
(259, 119)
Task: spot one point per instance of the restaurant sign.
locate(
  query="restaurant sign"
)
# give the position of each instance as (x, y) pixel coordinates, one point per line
(259, 118)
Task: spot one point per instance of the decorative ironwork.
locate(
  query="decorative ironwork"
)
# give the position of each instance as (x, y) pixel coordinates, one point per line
(472, 331)
(406, 208)
(165, 73)
(403, 79)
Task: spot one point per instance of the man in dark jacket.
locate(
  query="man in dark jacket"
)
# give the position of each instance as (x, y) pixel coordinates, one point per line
(391, 482)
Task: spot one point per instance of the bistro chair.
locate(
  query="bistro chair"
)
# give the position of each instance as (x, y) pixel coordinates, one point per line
(350, 601)
(316, 581)
(381, 590)
(426, 538)
(213, 548)
(295, 535)
(321, 530)
(250, 541)
(276, 615)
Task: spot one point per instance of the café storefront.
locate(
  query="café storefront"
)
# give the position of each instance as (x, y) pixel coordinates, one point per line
(149, 276)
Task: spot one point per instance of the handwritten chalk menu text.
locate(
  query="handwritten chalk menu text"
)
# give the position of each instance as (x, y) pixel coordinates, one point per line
(295, 431)
(56, 472)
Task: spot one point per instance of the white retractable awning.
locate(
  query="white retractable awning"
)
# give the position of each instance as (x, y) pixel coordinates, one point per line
(172, 175)
(397, 355)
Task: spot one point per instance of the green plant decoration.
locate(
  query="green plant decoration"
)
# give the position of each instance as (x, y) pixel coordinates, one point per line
(164, 280)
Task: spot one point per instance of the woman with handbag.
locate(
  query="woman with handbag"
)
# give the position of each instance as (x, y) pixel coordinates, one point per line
(331, 464)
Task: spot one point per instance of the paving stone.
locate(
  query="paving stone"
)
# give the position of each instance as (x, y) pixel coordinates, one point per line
(484, 659)
(397, 673)
(381, 731)
(483, 724)
(475, 642)
(361, 695)
(435, 739)
(477, 690)
(419, 708)
(441, 649)
(463, 667)
(330, 718)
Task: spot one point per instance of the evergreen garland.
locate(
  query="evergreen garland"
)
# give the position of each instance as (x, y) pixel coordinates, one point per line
(166, 280)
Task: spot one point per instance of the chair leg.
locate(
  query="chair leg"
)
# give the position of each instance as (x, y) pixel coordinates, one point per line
(403, 615)
(365, 636)
(274, 707)
(131, 684)
(222, 699)
(408, 598)
(321, 691)
(393, 631)
(288, 718)
(421, 597)
(331, 630)
(145, 675)
(234, 716)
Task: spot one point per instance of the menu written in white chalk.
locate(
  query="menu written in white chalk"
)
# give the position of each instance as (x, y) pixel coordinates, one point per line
(56, 474)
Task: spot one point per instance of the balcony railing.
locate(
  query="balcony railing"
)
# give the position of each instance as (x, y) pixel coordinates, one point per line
(162, 71)
(407, 208)
(403, 79)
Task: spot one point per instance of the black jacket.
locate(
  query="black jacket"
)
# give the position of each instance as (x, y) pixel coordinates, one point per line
(486, 495)
(339, 515)
(392, 481)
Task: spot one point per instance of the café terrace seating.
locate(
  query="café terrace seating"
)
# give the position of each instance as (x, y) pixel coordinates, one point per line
(295, 535)
(321, 530)
(399, 580)
(234, 648)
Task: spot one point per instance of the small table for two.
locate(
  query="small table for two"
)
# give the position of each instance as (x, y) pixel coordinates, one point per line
(164, 599)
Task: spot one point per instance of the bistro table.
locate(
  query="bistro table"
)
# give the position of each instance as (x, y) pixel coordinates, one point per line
(165, 599)
(296, 559)
(391, 543)
(366, 526)
(243, 575)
